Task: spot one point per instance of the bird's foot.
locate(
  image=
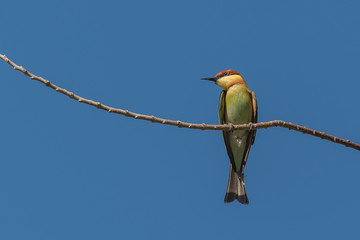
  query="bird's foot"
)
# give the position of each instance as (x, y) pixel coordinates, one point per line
(251, 126)
(231, 127)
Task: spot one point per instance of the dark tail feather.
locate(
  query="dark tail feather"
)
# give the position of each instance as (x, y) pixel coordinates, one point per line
(236, 188)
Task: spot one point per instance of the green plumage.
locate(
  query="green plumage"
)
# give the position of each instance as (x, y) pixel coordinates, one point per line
(237, 106)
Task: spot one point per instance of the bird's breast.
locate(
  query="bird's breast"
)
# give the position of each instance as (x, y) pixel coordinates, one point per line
(238, 105)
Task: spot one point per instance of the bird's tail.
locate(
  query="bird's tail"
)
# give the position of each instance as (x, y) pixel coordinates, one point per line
(236, 188)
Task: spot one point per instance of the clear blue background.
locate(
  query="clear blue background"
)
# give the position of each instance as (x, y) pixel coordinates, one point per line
(71, 171)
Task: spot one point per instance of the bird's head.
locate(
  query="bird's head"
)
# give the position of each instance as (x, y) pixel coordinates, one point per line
(226, 79)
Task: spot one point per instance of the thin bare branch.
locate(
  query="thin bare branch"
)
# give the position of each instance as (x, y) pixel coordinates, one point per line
(180, 124)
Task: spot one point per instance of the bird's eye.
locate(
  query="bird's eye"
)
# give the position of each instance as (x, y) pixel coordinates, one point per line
(225, 74)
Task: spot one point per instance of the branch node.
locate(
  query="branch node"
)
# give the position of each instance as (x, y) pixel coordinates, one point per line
(203, 125)
(110, 110)
(47, 83)
(178, 123)
(98, 105)
(136, 116)
(80, 100)
(152, 118)
(127, 113)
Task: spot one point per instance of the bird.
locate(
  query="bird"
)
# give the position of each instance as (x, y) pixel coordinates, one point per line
(237, 105)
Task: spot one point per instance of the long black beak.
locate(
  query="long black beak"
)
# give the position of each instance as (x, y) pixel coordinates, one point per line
(210, 79)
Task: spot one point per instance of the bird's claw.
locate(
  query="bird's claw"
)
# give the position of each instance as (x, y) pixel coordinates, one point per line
(251, 126)
(231, 127)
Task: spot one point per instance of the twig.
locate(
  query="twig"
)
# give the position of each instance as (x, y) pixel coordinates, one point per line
(180, 124)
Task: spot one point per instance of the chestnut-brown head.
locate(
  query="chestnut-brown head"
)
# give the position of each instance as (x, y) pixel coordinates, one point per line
(226, 79)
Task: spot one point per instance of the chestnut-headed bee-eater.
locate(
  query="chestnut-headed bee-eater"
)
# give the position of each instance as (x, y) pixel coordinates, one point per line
(237, 105)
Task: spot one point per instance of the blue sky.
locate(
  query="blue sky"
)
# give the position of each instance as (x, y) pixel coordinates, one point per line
(70, 171)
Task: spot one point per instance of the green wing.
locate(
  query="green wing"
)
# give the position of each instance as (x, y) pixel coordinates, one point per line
(222, 120)
(255, 114)
(222, 107)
